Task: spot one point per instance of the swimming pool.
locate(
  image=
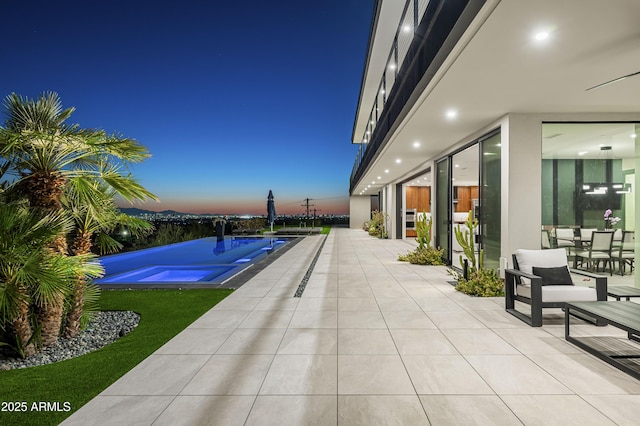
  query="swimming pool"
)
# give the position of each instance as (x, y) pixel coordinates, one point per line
(198, 263)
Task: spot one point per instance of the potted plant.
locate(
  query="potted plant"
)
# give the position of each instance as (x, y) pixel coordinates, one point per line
(610, 221)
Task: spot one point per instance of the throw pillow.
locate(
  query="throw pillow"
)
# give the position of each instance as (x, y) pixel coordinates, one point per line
(553, 276)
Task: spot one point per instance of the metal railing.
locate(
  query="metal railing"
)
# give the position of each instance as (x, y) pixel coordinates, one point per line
(413, 13)
(438, 25)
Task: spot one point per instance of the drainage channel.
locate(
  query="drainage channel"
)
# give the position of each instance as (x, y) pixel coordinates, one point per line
(307, 275)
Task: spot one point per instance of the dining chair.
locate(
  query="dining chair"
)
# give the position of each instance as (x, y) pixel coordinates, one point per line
(599, 250)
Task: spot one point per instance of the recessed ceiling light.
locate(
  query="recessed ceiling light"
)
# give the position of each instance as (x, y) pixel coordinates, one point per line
(382, 91)
(416, 144)
(379, 177)
(368, 186)
(457, 165)
(451, 114)
(634, 135)
(386, 170)
(541, 35)
(406, 28)
(373, 182)
(392, 66)
(583, 153)
(398, 161)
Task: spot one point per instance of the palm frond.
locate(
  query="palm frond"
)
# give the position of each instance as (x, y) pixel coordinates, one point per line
(35, 114)
(127, 186)
(107, 244)
(91, 305)
(125, 149)
(137, 227)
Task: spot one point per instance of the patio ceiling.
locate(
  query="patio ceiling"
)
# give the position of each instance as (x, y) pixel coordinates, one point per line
(498, 67)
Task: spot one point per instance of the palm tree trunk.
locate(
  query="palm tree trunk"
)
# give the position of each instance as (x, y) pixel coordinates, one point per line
(81, 245)
(45, 191)
(21, 326)
(50, 320)
(72, 324)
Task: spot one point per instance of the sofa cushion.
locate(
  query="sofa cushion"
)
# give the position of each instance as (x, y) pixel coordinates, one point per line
(549, 258)
(561, 293)
(553, 276)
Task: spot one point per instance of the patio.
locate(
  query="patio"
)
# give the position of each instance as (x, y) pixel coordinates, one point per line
(371, 341)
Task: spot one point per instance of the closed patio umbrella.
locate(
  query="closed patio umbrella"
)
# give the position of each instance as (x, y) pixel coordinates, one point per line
(271, 210)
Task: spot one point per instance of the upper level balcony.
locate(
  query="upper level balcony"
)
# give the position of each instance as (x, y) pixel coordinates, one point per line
(402, 58)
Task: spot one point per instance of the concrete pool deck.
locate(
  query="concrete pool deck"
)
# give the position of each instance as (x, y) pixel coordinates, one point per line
(371, 341)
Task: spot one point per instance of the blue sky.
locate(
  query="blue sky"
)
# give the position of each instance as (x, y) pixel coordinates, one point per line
(232, 98)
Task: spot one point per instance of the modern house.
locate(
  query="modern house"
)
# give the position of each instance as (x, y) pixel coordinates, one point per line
(524, 113)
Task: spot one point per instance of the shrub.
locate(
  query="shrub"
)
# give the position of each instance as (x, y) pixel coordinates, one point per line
(423, 229)
(377, 224)
(253, 223)
(466, 239)
(482, 282)
(423, 256)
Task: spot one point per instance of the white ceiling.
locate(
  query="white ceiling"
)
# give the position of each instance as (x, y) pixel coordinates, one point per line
(497, 68)
(574, 140)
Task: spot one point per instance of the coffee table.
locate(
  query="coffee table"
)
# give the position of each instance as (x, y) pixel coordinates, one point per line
(618, 352)
(623, 291)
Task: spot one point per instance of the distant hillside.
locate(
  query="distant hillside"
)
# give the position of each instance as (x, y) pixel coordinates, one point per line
(133, 211)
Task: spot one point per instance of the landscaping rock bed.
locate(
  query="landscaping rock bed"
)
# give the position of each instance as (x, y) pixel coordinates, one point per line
(105, 328)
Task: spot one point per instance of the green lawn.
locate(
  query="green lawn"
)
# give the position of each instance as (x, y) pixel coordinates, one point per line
(164, 313)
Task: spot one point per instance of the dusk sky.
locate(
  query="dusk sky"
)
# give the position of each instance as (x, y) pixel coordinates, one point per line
(232, 98)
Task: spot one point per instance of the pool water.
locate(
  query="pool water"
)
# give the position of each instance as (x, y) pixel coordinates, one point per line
(202, 262)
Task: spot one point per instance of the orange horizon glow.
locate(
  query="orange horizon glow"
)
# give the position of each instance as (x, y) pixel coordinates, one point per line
(333, 206)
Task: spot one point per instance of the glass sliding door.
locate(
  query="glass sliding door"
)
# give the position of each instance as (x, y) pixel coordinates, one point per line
(443, 197)
(490, 193)
(417, 202)
(465, 198)
(588, 169)
(589, 173)
(469, 183)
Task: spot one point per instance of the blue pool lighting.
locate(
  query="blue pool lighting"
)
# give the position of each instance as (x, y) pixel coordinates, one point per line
(199, 262)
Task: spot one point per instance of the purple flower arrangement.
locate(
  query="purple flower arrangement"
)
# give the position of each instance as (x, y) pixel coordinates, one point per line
(609, 220)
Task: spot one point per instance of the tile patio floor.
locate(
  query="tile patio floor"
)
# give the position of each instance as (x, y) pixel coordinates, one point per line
(372, 341)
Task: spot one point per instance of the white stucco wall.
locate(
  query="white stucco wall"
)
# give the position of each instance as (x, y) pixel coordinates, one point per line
(390, 209)
(359, 210)
(521, 183)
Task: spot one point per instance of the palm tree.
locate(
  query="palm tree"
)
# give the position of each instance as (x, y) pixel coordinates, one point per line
(94, 220)
(44, 153)
(29, 272)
